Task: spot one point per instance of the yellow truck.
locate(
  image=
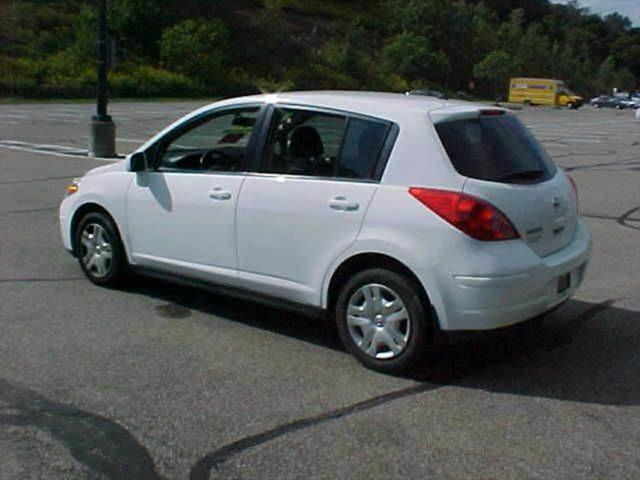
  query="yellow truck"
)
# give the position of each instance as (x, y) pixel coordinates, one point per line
(542, 91)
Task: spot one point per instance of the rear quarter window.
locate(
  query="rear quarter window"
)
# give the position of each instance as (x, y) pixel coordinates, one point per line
(361, 149)
(495, 148)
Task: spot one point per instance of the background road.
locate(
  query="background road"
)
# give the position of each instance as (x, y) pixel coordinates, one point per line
(162, 382)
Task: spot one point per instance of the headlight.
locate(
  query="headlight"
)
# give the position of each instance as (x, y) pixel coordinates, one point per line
(73, 187)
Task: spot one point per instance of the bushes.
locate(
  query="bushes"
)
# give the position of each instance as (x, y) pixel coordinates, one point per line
(57, 77)
(54, 76)
(147, 81)
(317, 76)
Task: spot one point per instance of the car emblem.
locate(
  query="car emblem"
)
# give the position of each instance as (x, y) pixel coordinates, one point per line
(556, 202)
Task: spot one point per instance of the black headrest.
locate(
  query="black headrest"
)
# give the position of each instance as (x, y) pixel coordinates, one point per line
(305, 142)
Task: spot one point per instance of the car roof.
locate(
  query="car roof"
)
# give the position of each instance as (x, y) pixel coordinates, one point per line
(405, 110)
(391, 106)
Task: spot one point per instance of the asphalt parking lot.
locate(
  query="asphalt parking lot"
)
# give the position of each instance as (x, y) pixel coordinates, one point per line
(161, 382)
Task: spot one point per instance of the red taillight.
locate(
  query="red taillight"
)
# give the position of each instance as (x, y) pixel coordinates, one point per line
(574, 187)
(475, 217)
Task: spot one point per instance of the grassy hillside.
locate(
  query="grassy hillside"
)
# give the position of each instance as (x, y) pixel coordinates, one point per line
(203, 47)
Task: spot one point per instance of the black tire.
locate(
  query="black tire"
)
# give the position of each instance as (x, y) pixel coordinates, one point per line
(570, 106)
(115, 269)
(419, 336)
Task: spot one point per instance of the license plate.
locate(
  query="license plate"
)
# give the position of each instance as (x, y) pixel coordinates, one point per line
(564, 282)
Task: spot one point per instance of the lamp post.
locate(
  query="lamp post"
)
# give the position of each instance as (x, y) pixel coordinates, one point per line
(102, 138)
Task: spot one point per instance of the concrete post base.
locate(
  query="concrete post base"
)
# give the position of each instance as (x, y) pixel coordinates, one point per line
(102, 137)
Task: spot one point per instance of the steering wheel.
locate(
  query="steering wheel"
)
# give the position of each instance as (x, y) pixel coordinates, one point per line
(207, 161)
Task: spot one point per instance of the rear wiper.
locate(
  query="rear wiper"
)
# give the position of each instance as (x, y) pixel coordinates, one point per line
(522, 175)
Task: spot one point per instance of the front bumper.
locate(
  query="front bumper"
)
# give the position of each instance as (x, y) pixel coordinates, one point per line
(484, 302)
(64, 216)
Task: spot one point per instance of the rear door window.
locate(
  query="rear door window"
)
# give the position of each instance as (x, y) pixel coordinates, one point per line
(495, 148)
(304, 143)
(322, 144)
(363, 143)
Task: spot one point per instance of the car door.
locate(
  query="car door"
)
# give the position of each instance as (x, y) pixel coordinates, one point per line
(307, 202)
(181, 213)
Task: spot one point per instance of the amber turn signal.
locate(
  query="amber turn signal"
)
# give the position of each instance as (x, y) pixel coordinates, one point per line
(73, 187)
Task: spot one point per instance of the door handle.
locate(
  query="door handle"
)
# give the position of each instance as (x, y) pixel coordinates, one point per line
(219, 194)
(341, 203)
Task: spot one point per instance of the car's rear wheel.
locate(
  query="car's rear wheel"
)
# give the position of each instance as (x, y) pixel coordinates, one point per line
(382, 320)
(99, 250)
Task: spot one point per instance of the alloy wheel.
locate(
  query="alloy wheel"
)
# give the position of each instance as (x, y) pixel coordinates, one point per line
(96, 250)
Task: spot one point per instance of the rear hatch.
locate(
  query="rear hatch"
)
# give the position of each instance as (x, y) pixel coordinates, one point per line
(504, 164)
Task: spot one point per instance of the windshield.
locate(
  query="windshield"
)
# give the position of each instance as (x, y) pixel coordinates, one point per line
(495, 148)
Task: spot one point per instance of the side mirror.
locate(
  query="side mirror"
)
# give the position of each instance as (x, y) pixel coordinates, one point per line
(138, 162)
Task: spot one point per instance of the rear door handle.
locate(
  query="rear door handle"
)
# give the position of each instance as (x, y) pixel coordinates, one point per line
(342, 204)
(218, 193)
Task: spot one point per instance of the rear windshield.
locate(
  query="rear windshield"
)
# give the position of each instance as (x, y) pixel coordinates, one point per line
(496, 148)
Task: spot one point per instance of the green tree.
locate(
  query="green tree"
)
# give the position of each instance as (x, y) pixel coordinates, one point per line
(534, 53)
(511, 31)
(196, 48)
(138, 24)
(351, 55)
(496, 67)
(411, 56)
(624, 80)
(605, 77)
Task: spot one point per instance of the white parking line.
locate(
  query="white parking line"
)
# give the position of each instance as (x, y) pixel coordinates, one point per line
(57, 120)
(20, 143)
(604, 123)
(58, 114)
(37, 148)
(11, 115)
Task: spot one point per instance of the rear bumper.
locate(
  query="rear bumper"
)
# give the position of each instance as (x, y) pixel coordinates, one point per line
(502, 297)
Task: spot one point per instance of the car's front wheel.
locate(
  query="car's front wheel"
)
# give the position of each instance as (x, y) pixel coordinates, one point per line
(382, 320)
(99, 250)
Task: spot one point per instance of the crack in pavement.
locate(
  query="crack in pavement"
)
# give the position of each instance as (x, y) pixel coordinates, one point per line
(95, 441)
(623, 219)
(599, 217)
(567, 333)
(626, 217)
(202, 469)
(106, 446)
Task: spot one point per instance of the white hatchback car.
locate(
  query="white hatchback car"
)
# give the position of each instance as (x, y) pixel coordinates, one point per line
(401, 216)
